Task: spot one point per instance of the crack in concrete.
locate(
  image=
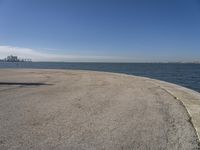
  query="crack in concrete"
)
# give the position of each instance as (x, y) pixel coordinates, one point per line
(189, 115)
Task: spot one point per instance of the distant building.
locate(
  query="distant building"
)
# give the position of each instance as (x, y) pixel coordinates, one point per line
(12, 58)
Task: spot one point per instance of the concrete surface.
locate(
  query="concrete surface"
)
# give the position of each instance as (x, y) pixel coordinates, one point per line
(83, 110)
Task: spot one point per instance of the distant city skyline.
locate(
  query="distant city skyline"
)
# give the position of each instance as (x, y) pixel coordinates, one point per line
(101, 30)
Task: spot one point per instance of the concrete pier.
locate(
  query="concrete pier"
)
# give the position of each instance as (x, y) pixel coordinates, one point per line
(85, 110)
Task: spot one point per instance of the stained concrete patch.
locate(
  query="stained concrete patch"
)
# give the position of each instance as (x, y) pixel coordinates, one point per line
(23, 83)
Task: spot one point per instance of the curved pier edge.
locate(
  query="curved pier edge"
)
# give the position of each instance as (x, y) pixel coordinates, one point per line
(188, 98)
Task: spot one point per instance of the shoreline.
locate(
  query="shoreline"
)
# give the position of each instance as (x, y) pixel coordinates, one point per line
(186, 75)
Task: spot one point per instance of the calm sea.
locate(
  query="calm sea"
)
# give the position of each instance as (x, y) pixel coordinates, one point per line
(187, 75)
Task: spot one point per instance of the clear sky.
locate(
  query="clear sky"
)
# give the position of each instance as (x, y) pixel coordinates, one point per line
(101, 30)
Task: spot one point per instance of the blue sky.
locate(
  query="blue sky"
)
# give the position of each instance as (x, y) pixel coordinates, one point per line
(101, 30)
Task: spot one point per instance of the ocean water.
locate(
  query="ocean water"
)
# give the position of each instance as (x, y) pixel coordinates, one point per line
(187, 75)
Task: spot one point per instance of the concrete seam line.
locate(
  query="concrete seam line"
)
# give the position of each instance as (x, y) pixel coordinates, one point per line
(182, 103)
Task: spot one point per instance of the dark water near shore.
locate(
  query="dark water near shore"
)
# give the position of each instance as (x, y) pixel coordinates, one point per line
(187, 75)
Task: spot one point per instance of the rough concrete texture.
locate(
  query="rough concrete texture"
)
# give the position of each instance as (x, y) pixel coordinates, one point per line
(83, 110)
